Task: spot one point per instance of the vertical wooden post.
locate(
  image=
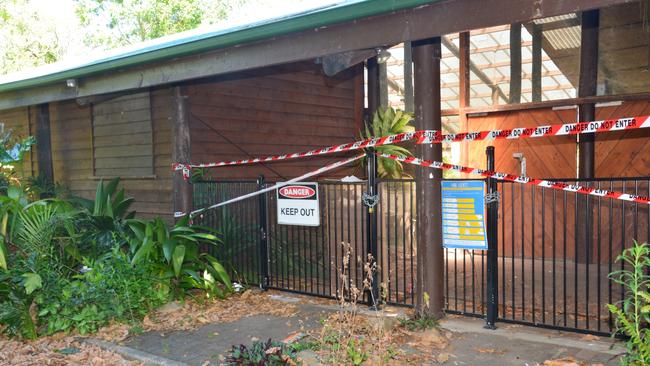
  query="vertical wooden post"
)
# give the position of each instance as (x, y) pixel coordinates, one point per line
(587, 86)
(373, 92)
(536, 77)
(464, 88)
(515, 63)
(181, 149)
(463, 70)
(408, 78)
(430, 255)
(383, 84)
(44, 143)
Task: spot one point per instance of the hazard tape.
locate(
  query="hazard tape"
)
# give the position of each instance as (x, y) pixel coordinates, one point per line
(432, 136)
(523, 180)
(542, 131)
(357, 145)
(274, 187)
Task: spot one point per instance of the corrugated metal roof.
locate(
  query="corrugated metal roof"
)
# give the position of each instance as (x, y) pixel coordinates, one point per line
(188, 43)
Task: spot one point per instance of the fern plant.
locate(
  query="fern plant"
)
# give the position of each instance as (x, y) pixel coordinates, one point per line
(387, 122)
(633, 312)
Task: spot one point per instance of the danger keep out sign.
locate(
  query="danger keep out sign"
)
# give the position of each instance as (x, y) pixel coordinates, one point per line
(298, 204)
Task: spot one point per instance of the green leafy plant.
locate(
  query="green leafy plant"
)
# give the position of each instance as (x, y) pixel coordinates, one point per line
(633, 312)
(356, 353)
(12, 150)
(102, 223)
(261, 353)
(16, 299)
(389, 122)
(10, 207)
(419, 323)
(175, 255)
(109, 288)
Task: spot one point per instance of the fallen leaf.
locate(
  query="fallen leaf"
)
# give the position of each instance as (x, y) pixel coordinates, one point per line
(442, 357)
(487, 350)
(567, 361)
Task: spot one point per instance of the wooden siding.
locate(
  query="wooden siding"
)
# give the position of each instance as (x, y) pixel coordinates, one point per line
(545, 157)
(72, 155)
(623, 153)
(617, 154)
(19, 122)
(277, 110)
(123, 137)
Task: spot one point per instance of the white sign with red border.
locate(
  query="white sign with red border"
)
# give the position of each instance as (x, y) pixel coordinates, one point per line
(298, 204)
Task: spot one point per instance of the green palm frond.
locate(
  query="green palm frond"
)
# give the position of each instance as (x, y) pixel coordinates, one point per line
(386, 122)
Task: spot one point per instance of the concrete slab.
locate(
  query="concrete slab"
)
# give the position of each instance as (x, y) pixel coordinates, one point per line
(212, 342)
(470, 344)
(519, 345)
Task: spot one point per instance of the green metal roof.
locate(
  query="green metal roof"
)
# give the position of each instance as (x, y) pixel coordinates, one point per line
(197, 43)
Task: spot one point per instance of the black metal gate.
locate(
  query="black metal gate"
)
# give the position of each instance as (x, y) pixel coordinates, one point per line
(312, 260)
(555, 248)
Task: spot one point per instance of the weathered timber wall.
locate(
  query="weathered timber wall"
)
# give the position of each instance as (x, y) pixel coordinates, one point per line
(272, 111)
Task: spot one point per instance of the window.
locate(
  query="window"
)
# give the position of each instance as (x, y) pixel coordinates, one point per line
(122, 137)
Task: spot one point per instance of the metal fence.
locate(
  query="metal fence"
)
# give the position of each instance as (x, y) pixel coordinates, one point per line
(316, 260)
(555, 248)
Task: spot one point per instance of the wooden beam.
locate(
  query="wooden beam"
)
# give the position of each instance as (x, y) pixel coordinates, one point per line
(44, 143)
(408, 77)
(430, 255)
(373, 93)
(383, 85)
(515, 63)
(464, 89)
(587, 88)
(417, 23)
(536, 77)
(181, 151)
(587, 142)
(464, 70)
(552, 104)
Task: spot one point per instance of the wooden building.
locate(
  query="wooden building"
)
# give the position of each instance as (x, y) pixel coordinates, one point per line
(268, 88)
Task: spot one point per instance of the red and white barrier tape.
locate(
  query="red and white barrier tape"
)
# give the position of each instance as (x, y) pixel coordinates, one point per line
(357, 145)
(541, 131)
(523, 180)
(431, 136)
(274, 187)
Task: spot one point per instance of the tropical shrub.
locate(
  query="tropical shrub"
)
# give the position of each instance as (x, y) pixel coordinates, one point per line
(102, 222)
(108, 288)
(175, 255)
(387, 122)
(79, 264)
(16, 299)
(632, 314)
(12, 150)
(11, 205)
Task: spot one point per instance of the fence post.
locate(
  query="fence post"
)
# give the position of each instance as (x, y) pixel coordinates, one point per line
(492, 236)
(372, 200)
(264, 238)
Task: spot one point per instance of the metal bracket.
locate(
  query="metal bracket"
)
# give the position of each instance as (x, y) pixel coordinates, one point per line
(369, 200)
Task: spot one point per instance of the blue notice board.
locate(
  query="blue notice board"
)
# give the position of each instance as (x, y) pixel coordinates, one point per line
(463, 214)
